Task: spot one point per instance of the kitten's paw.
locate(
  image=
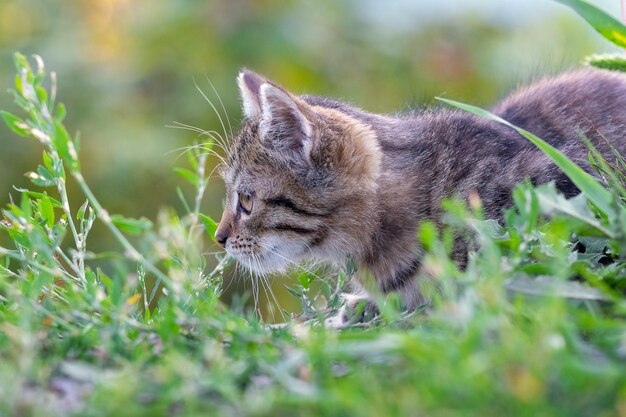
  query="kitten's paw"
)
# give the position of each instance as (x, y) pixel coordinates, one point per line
(337, 321)
(357, 309)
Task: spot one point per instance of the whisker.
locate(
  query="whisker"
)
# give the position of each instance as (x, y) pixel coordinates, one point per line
(265, 280)
(252, 288)
(216, 138)
(188, 148)
(260, 280)
(213, 107)
(234, 278)
(216, 167)
(255, 294)
(207, 151)
(230, 127)
(185, 126)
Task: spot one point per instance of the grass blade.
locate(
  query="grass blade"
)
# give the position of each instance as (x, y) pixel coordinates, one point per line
(609, 27)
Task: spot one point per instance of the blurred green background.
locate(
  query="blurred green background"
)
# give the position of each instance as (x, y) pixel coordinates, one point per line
(126, 70)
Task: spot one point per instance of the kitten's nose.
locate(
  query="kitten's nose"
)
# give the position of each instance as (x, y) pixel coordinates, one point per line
(222, 236)
(223, 230)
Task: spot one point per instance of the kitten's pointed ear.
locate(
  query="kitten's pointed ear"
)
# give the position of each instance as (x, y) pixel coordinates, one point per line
(249, 84)
(285, 123)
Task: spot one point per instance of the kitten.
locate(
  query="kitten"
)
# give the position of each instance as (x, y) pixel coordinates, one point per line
(310, 178)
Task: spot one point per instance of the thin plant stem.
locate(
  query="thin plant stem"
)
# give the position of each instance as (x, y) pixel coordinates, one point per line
(104, 216)
(69, 262)
(78, 240)
(201, 184)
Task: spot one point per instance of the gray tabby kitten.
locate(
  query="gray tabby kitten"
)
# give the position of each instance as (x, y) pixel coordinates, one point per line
(310, 178)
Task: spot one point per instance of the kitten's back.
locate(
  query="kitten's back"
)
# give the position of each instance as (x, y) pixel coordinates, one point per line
(588, 102)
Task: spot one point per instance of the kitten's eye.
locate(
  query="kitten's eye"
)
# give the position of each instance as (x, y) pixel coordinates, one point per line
(245, 202)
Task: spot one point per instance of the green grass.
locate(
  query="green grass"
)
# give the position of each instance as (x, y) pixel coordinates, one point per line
(145, 333)
(536, 324)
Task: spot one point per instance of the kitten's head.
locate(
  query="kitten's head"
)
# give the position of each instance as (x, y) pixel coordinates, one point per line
(300, 181)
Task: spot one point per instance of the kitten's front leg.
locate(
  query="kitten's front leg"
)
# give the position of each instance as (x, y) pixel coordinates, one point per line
(407, 281)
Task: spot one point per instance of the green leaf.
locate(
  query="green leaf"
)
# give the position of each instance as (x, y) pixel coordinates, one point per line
(47, 176)
(80, 215)
(26, 206)
(42, 94)
(61, 139)
(21, 63)
(595, 192)
(295, 292)
(609, 27)
(192, 158)
(181, 196)
(131, 226)
(16, 124)
(613, 62)
(549, 286)
(47, 161)
(525, 198)
(77, 143)
(61, 112)
(551, 202)
(19, 89)
(187, 175)
(305, 279)
(36, 195)
(210, 225)
(428, 235)
(351, 267)
(46, 210)
(595, 250)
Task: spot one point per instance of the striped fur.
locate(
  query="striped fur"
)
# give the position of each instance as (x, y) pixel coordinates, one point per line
(330, 182)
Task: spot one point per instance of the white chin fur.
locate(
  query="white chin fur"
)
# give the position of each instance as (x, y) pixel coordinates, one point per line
(278, 259)
(266, 265)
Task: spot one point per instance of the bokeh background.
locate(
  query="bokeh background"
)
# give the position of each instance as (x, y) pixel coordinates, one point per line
(128, 68)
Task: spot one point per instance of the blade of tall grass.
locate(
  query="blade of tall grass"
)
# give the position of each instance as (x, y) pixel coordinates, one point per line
(609, 27)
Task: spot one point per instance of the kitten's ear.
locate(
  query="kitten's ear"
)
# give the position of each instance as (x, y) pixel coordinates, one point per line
(249, 87)
(284, 123)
